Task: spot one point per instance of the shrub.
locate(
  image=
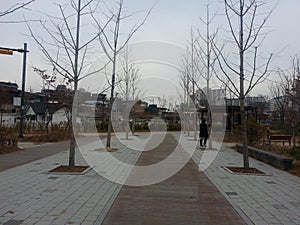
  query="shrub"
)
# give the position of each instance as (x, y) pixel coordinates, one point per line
(141, 126)
(48, 137)
(8, 137)
(102, 126)
(255, 131)
(295, 153)
(174, 127)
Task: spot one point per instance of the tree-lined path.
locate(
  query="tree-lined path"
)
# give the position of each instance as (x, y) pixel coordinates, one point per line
(186, 198)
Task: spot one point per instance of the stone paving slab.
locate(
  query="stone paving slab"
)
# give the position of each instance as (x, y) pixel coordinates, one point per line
(270, 199)
(29, 194)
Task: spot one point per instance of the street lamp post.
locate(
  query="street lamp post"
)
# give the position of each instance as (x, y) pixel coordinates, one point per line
(23, 90)
(9, 51)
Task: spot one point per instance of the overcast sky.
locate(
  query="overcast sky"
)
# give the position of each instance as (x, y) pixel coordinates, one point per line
(169, 22)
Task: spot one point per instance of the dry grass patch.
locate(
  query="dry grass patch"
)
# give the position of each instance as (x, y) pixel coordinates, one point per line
(47, 137)
(296, 168)
(9, 149)
(231, 137)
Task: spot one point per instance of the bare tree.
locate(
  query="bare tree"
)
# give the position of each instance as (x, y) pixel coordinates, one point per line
(294, 95)
(207, 56)
(66, 51)
(278, 92)
(205, 51)
(129, 77)
(190, 75)
(247, 36)
(286, 96)
(112, 46)
(185, 85)
(128, 81)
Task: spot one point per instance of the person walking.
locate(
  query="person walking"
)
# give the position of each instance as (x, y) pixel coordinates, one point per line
(203, 134)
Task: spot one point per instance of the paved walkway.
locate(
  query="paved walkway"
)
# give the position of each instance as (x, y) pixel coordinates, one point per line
(270, 199)
(186, 198)
(30, 195)
(31, 152)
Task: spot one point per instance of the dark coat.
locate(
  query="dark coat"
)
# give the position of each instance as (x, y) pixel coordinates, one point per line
(203, 130)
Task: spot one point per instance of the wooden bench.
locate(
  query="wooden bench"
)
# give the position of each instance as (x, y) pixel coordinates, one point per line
(275, 160)
(280, 138)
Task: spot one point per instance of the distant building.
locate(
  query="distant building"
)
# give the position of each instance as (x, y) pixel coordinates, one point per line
(255, 106)
(152, 109)
(8, 91)
(251, 101)
(43, 112)
(256, 101)
(216, 97)
(8, 112)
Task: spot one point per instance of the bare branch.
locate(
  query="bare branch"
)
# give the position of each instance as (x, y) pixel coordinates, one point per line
(230, 24)
(261, 77)
(15, 7)
(67, 25)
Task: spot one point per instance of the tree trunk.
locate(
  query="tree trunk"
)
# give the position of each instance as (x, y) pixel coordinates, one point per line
(127, 110)
(195, 126)
(108, 142)
(188, 124)
(244, 133)
(242, 91)
(282, 120)
(109, 128)
(72, 149)
(209, 128)
(294, 136)
(74, 109)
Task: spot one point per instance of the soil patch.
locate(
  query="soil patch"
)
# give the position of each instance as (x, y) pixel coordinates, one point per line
(110, 149)
(106, 150)
(68, 169)
(245, 171)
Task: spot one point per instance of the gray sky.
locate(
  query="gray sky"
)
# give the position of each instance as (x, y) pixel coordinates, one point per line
(170, 22)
